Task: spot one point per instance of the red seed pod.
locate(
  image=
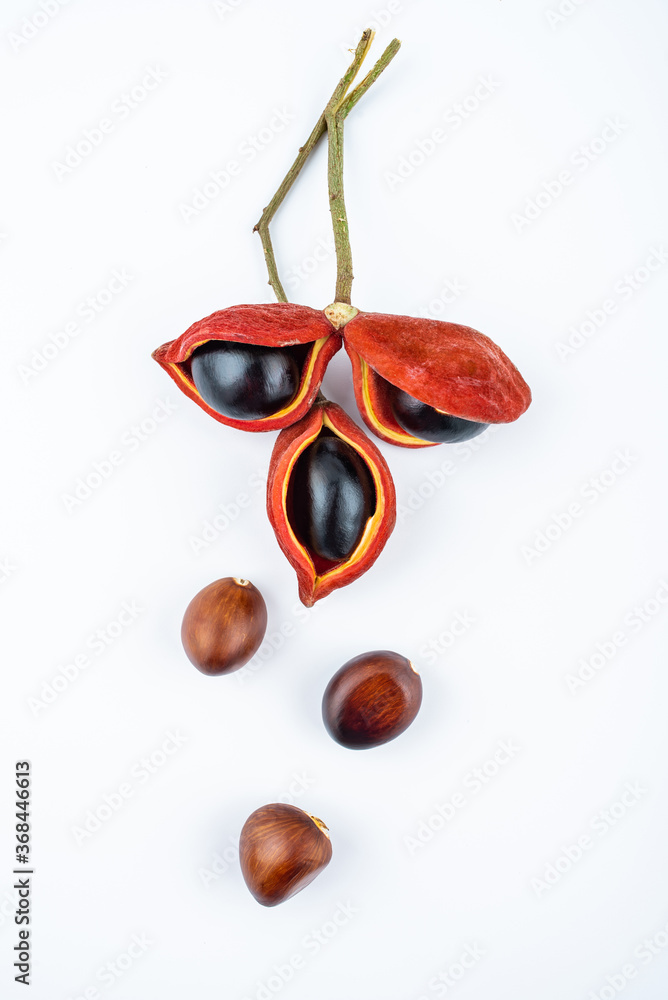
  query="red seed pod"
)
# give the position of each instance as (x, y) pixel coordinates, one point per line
(306, 336)
(305, 463)
(449, 367)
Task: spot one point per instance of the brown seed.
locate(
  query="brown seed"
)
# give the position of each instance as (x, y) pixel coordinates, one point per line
(224, 625)
(371, 699)
(282, 849)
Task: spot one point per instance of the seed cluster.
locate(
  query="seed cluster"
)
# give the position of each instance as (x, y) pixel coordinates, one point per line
(330, 494)
(330, 497)
(371, 700)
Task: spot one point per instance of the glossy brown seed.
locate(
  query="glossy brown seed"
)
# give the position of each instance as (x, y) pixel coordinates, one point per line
(224, 625)
(371, 699)
(282, 849)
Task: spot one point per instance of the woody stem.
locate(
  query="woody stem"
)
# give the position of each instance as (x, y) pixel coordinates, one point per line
(340, 106)
(337, 207)
(262, 227)
(335, 117)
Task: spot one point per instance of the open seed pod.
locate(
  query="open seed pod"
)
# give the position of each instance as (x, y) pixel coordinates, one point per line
(254, 367)
(422, 381)
(330, 500)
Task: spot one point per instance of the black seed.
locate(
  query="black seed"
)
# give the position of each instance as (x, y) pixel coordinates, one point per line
(244, 381)
(429, 424)
(330, 498)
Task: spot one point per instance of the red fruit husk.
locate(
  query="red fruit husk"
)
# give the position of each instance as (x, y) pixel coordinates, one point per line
(276, 324)
(314, 585)
(450, 367)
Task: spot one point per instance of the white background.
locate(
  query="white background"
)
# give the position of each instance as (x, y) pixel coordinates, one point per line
(156, 869)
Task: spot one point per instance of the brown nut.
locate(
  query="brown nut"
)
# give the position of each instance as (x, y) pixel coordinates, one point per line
(224, 625)
(371, 699)
(282, 849)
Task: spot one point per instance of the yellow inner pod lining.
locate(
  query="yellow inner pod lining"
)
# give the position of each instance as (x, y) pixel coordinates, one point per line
(401, 437)
(303, 389)
(372, 522)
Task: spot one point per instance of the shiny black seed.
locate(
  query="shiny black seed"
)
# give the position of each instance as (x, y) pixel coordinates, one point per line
(330, 497)
(244, 381)
(429, 424)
